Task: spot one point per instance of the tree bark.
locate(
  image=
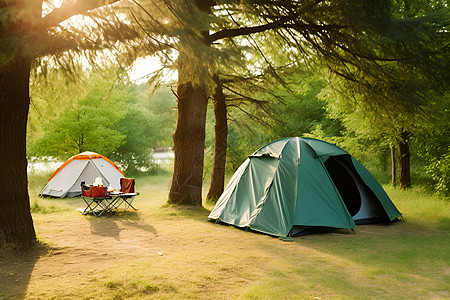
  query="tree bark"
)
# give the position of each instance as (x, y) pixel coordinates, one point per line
(188, 139)
(16, 224)
(189, 136)
(393, 167)
(220, 143)
(404, 176)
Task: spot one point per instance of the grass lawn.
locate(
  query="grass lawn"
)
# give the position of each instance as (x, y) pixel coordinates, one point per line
(169, 252)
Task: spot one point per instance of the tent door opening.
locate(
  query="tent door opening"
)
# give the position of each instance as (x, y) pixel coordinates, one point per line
(90, 172)
(345, 183)
(357, 198)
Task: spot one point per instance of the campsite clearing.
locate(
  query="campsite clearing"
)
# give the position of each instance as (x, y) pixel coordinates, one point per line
(168, 252)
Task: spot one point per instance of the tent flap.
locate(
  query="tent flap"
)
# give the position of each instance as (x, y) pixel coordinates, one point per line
(250, 192)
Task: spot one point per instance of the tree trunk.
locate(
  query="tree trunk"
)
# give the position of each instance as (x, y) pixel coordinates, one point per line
(220, 143)
(404, 176)
(189, 136)
(393, 167)
(188, 139)
(16, 224)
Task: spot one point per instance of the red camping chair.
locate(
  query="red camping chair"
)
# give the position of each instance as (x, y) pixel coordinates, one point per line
(127, 193)
(127, 185)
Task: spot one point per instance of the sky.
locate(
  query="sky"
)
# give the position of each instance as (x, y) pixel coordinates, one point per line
(145, 67)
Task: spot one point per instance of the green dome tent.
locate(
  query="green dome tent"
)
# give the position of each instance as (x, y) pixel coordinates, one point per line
(294, 186)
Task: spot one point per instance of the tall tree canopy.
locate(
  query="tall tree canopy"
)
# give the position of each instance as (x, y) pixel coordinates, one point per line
(368, 44)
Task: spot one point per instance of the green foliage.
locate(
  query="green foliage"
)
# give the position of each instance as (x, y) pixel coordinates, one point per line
(435, 151)
(244, 137)
(86, 126)
(121, 121)
(310, 108)
(363, 134)
(369, 133)
(302, 111)
(439, 169)
(148, 123)
(208, 163)
(292, 109)
(163, 105)
(49, 97)
(389, 58)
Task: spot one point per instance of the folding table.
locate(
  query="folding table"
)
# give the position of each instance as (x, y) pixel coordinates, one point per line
(109, 202)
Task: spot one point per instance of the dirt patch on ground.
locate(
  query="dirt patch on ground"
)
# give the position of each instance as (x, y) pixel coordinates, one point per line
(77, 247)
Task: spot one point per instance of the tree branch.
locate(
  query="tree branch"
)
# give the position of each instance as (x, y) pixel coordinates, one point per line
(71, 8)
(229, 33)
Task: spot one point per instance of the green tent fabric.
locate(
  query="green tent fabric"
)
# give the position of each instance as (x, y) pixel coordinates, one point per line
(294, 185)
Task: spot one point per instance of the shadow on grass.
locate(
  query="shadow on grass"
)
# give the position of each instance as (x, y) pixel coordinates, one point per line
(15, 270)
(109, 225)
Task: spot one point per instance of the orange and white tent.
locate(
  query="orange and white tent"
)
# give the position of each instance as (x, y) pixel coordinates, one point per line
(86, 166)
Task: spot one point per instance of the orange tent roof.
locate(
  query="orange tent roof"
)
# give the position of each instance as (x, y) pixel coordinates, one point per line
(84, 156)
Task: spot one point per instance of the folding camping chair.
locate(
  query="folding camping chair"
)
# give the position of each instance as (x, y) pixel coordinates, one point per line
(126, 194)
(96, 199)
